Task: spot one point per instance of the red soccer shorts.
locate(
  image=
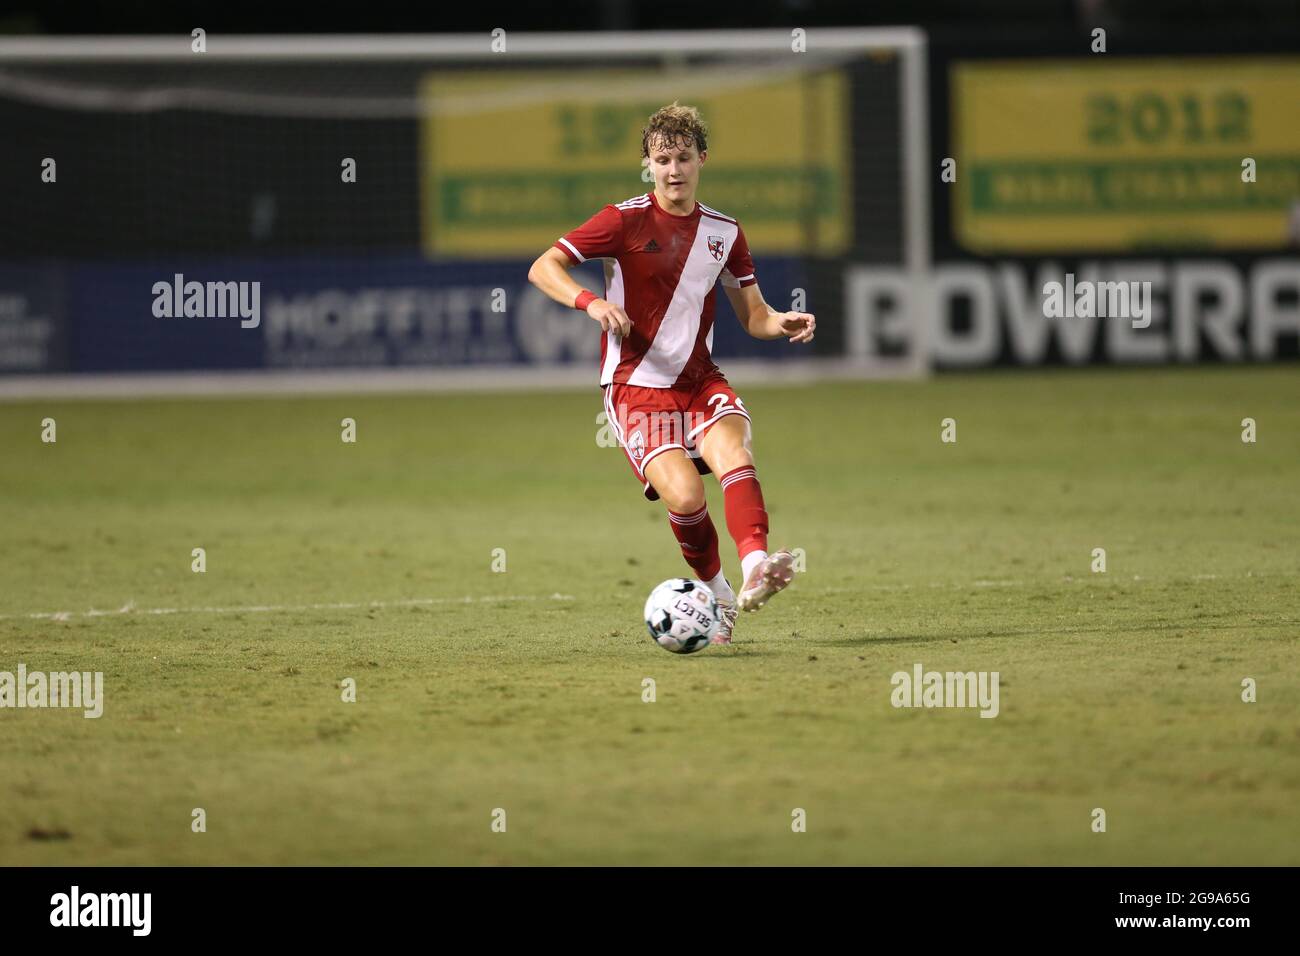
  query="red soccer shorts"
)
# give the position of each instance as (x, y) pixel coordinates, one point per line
(649, 421)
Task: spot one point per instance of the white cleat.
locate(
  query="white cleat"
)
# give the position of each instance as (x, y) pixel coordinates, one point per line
(727, 614)
(772, 575)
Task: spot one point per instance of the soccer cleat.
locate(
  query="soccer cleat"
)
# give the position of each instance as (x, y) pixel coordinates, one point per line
(773, 574)
(726, 623)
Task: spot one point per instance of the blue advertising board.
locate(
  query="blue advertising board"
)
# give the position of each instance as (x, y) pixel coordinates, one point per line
(363, 311)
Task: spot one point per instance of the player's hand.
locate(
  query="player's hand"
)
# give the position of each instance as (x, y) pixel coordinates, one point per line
(610, 316)
(798, 326)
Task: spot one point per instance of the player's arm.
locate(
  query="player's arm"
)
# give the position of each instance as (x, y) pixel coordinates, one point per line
(763, 322)
(550, 273)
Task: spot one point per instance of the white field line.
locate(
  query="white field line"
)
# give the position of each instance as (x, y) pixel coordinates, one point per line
(130, 608)
(245, 383)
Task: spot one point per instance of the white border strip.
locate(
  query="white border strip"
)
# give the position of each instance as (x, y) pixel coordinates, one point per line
(485, 378)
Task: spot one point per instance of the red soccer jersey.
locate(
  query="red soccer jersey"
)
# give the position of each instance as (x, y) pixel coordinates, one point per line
(662, 269)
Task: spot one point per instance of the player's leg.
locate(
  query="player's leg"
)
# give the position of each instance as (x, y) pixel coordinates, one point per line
(678, 483)
(726, 445)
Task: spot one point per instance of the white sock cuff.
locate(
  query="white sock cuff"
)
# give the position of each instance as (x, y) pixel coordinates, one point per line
(721, 589)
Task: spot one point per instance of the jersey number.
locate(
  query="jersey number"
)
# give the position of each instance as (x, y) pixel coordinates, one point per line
(721, 400)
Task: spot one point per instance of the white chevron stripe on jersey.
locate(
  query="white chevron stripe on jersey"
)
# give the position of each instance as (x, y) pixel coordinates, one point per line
(614, 292)
(675, 338)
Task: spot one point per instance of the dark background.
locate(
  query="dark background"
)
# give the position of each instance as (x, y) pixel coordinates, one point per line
(199, 182)
(1007, 18)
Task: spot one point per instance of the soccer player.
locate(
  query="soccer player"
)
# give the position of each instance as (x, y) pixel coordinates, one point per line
(670, 406)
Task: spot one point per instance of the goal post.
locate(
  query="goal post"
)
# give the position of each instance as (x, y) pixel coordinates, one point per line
(386, 194)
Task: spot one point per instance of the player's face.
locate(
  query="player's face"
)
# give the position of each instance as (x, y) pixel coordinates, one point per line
(676, 169)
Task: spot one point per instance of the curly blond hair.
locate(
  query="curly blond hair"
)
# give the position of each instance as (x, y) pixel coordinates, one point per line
(673, 124)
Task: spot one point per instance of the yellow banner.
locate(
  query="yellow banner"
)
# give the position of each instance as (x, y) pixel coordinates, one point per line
(1118, 154)
(512, 160)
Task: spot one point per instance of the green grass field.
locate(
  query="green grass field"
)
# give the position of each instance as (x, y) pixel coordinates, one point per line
(1119, 690)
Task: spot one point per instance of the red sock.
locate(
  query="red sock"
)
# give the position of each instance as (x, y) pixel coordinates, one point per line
(699, 541)
(746, 516)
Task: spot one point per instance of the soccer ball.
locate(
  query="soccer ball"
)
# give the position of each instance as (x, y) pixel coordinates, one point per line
(682, 615)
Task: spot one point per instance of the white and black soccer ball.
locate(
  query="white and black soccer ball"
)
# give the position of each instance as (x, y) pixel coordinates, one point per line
(682, 615)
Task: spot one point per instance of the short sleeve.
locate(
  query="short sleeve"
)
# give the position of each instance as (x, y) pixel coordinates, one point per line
(739, 270)
(600, 237)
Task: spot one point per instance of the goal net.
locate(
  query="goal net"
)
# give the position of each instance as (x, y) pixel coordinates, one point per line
(387, 194)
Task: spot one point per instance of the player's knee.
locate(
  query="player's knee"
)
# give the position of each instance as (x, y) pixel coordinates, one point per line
(684, 495)
(688, 502)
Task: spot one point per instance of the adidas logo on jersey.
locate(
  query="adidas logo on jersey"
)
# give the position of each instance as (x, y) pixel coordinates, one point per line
(651, 246)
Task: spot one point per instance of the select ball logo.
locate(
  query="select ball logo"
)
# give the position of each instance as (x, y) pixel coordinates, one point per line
(682, 615)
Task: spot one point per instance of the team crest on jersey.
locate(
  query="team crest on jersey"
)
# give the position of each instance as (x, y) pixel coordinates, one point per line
(636, 445)
(715, 247)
